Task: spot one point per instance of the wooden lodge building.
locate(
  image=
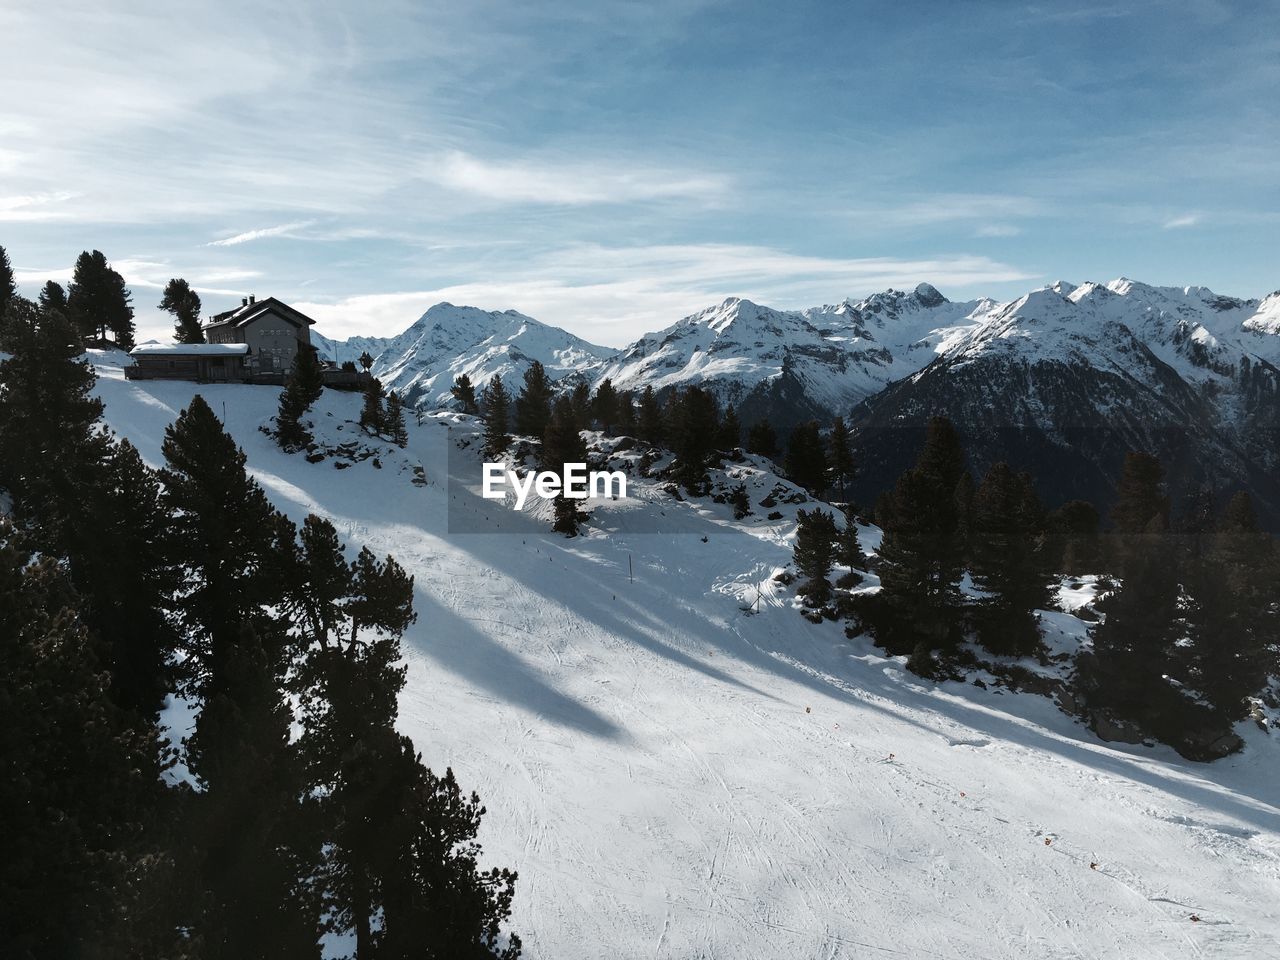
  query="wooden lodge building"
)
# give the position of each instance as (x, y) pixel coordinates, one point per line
(254, 343)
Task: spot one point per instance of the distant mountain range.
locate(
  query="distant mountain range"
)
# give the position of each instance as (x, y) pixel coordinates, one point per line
(1061, 381)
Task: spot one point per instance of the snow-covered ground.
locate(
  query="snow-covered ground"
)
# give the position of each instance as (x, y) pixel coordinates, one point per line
(675, 776)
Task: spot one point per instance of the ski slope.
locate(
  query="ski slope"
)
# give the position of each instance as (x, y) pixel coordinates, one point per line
(676, 777)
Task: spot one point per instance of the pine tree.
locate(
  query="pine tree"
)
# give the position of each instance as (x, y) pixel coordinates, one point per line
(533, 405)
(762, 440)
(231, 536)
(365, 361)
(53, 297)
(82, 795)
(849, 551)
(627, 425)
(8, 288)
(604, 406)
(496, 411)
(806, 463)
(563, 444)
(840, 458)
(649, 419)
(351, 617)
(184, 303)
(1232, 619)
(301, 390)
(730, 433)
(79, 490)
(464, 392)
(580, 400)
(1134, 647)
(1141, 503)
(1073, 533)
(740, 502)
(49, 439)
(99, 302)
(1008, 563)
(814, 553)
(922, 554)
(373, 415)
(691, 427)
(395, 426)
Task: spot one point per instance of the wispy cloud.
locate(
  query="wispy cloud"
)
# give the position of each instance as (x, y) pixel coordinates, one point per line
(997, 230)
(945, 208)
(571, 183)
(1187, 220)
(283, 230)
(613, 294)
(32, 207)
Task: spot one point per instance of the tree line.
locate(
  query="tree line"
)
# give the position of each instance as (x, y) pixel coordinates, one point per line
(294, 809)
(1190, 624)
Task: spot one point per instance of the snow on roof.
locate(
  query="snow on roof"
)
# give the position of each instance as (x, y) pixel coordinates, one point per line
(190, 349)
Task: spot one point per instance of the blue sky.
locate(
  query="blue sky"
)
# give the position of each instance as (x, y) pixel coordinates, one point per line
(611, 167)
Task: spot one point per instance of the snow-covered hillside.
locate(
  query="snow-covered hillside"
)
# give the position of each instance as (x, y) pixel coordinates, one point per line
(448, 340)
(675, 776)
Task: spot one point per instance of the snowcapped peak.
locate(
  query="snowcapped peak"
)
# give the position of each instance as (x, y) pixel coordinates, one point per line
(1063, 288)
(928, 296)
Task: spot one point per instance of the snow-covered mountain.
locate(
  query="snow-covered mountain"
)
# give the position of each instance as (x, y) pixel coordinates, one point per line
(1065, 380)
(790, 365)
(450, 340)
(1062, 381)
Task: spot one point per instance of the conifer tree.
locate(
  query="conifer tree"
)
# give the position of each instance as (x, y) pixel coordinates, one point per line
(496, 411)
(464, 392)
(580, 400)
(82, 794)
(806, 463)
(740, 502)
(184, 303)
(232, 562)
(53, 297)
(373, 415)
(814, 553)
(1141, 504)
(627, 425)
(533, 405)
(8, 288)
(562, 444)
(1008, 563)
(965, 493)
(691, 426)
(365, 361)
(604, 406)
(99, 302)
(840, 458)
(49, 439)
(301, 390)
(1232, 617)
(922, 554)
(849, 547)
(1073, 534)
(1134, 647)
(649, 418)
(730, 433)
(395, 426)
(762, 440)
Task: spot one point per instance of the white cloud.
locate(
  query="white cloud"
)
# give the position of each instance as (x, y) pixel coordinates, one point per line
(32, 207)
(283, 230)
(997, 230)
(1187, 220)
(571, 183)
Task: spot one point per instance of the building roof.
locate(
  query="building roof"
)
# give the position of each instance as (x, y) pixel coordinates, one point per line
(256, 308)
(190, 350)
